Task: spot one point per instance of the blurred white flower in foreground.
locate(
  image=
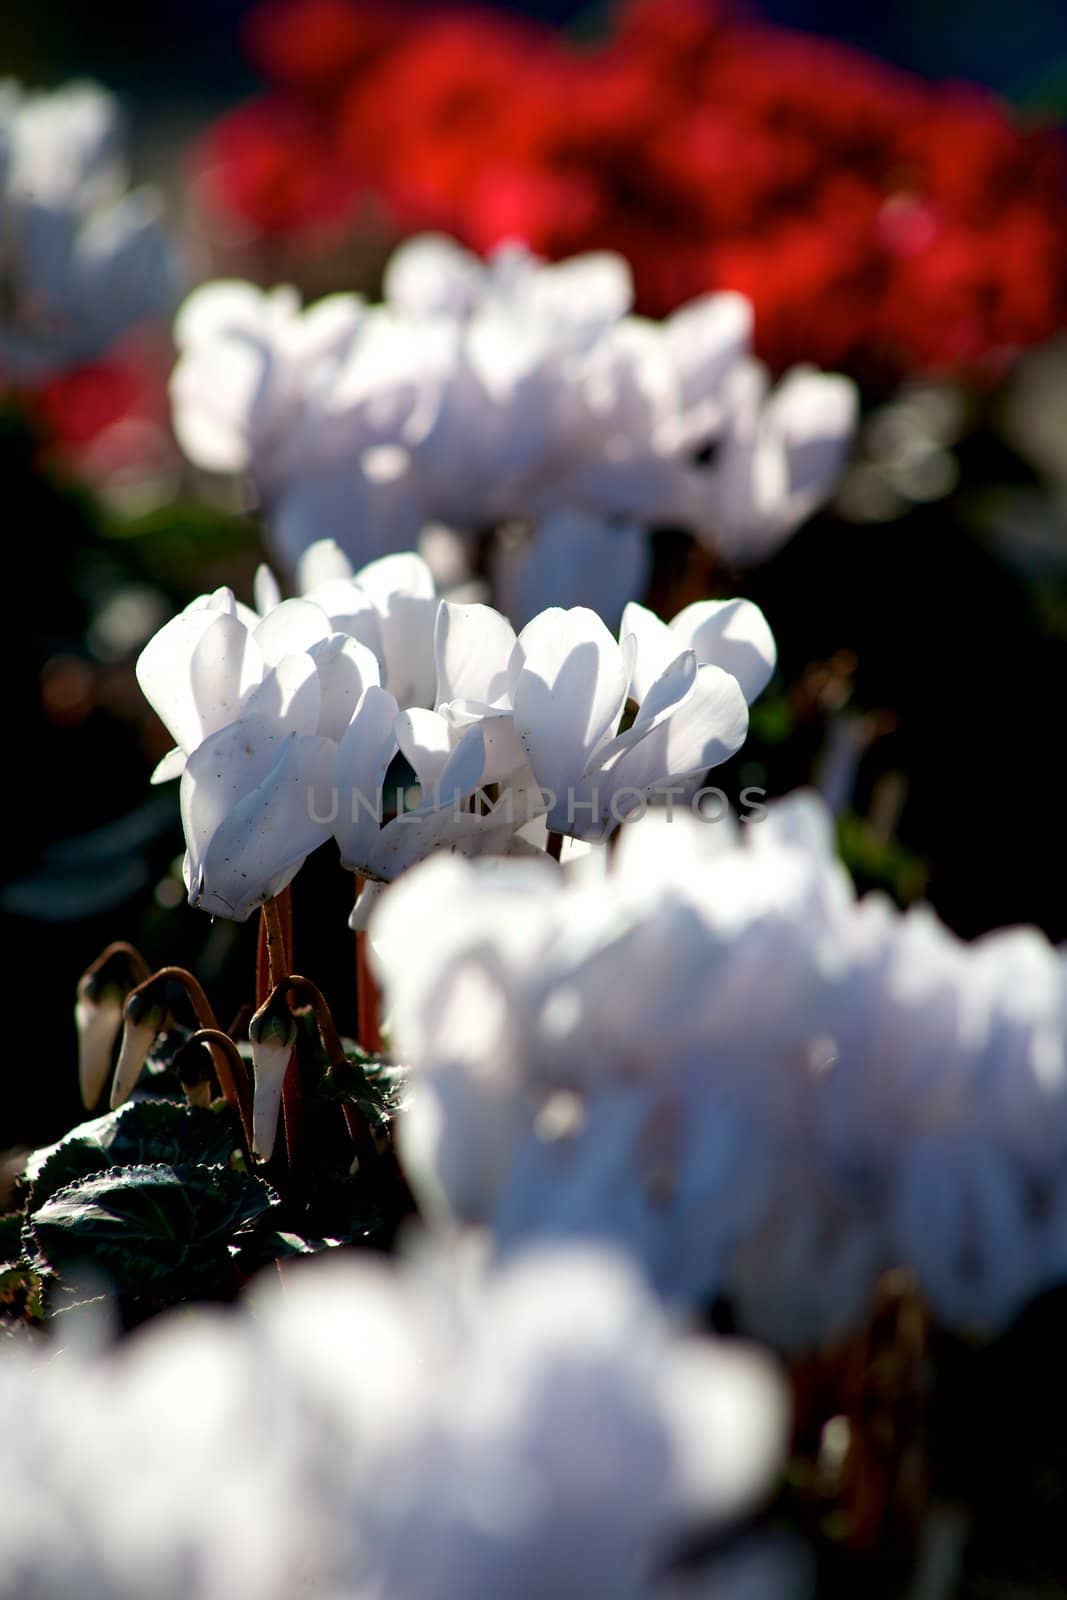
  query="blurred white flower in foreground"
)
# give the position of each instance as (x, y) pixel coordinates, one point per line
(81, 259)
(709, 1053)
(510, 398)
(378, 1432)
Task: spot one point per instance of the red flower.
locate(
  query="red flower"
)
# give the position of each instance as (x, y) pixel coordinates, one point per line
(877, 222)
(272, 164)
(313, 47)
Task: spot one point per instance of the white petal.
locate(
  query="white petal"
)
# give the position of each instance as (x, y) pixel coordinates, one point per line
(262, 841)
(706, 729)
(224, 668)
(401, 588)
(569, 696)
(212, 393)
(322, 562)
(293, 626)
(265, 590)
(655, 649)
(472, 646)
(504, 754)
(350, 611)
(704, 339)
(171, 766)
(463, 771)
(432, 274)
(163, 674)
(594, 288)
(345, 668)
(425, 739)
(732, 634)
(815, 415)
(290, 695)
(668, 692)
(229, 765)
(363, 758)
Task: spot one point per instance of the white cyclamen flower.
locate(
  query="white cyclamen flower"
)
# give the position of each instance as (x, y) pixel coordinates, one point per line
(512, 398)
(541, 1430)
(259, 707)
(551, 701)
(711, 1054)
(81, 260)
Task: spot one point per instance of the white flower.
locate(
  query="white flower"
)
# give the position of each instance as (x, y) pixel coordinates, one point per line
(513, 401)
(258, 706)
(732, 634)
(705, 1050)
(248, 361)
(588, 1060)
(539, 1430)
(81, 261)
(570, 681)
(778, 461)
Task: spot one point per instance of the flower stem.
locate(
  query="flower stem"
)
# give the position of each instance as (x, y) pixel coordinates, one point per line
(232, 1074)
(198, 1000)
(275, 942)
(358, 1129)
(137, 966)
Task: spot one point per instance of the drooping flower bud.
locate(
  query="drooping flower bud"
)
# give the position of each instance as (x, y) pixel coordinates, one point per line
(101, 994)
(272, 1032)
(144, 1017)
(193, 1066)
(98, 1018)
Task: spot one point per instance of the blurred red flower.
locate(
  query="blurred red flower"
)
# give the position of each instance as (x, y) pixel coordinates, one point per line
(879, 223)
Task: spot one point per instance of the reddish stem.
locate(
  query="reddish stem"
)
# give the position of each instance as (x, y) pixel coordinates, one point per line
(140, 971)
(232, 1074)
(275, 944)
(356, 1123)
(368, 999)
(293, 1111)
(198, 1000)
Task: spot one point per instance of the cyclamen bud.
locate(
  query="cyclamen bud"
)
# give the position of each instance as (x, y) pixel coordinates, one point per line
(193, 1066)
(98, 1018)
(144, 1018)
(272, 1032)
(98, 1006)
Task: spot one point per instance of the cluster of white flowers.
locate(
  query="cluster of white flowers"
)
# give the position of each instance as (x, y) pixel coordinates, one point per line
(374, 1433)
(81, 259)
(286, 720)
(509, 397)
(705, 1049)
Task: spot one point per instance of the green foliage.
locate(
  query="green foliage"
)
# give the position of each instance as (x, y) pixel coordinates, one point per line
(156, 1229)
(374, 1087)
(143, 1133)
(879, 864)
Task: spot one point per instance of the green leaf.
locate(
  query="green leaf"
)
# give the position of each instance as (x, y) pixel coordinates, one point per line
(376, 1087)
(150, 1228)
(276, 1245)
(141, 1133)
